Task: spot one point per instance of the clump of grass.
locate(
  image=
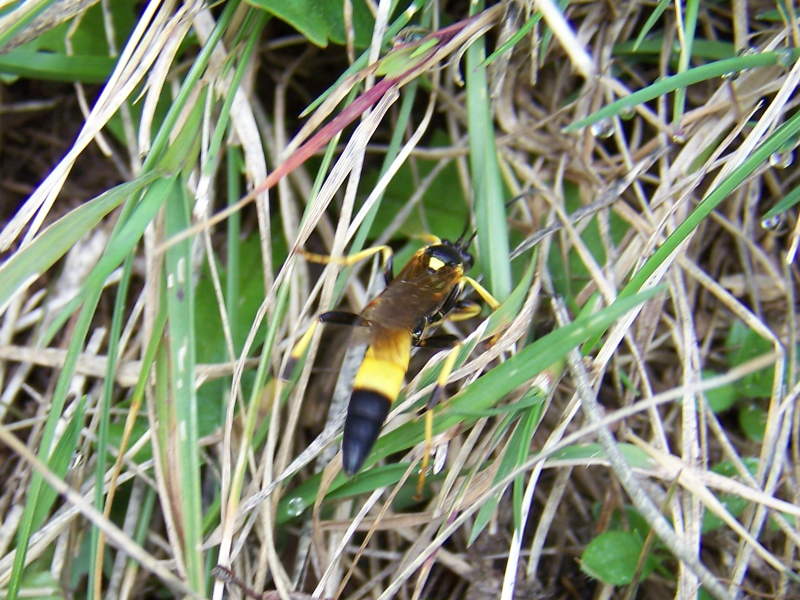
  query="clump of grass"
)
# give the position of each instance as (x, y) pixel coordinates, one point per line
(631, 402)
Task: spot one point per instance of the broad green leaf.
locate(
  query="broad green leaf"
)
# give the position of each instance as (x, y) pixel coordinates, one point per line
(612, 557)
(322, 20)
(753, 420)
(720, 398)
(743, 344)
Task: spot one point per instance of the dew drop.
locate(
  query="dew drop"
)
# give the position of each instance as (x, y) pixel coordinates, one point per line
(772, 223)
(786, 57)
(678, 136)
(627, 113)
(409, 35)
(781, 160)
(604, 128)
(295, 506)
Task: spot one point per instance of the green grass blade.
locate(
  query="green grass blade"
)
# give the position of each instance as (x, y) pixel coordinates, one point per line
(517, 453)
(105, 408)
(681, 80)
(514, 39)
(488, 189)
(784, 204)
(651, 21)
(32, 10)
(55, 241)
(60, 460)
(51, 66)
(775, 142)
(689, 28)
(182, 347)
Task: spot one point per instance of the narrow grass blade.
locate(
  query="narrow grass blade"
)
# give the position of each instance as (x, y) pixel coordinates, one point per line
(54, 242)
(670, 84)
(488, 190)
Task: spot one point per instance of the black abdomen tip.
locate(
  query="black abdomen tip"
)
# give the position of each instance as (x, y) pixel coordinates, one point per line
(365, 416)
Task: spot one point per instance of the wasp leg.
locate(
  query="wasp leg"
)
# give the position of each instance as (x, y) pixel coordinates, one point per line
(463, 310)
(351, 259)
(482, 292)
(436, 396)
(456, 311)
(436, 342)
(428, 238)
(341, 317)
(337, 317)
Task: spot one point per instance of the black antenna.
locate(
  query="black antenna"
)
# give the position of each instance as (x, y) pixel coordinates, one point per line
(463, 233)
(465, 244)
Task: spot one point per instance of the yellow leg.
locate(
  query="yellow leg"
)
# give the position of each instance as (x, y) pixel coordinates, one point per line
(299, 350)
(428, 238)
(426, 454)
(436, 395)
(444, 374)
(464, 311)
(482, 292)
(302, 345)
(351, 259)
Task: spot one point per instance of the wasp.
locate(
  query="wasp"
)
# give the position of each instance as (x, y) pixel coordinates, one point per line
(425, 292)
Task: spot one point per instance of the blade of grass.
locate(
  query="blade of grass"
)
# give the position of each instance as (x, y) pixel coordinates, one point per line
(696, 75)
(517, 452)
(651, 21)
(54, 242)
(121, 243)
(514, 39)
(181, 373)
(96, 564)
(51, 66)
(14, 23)
(688, 27)
(488, 190)
(784, 204)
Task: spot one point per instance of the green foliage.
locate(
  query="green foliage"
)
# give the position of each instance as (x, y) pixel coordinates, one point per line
(744, 344)
(445, 219)
(783, 205)
(89, 61)
(734, 504)
(635, 456)
(720, 398)
(613, 556)
(753, 420)
(322, 20)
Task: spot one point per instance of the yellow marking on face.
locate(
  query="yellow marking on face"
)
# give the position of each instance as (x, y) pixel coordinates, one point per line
(435, 263)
